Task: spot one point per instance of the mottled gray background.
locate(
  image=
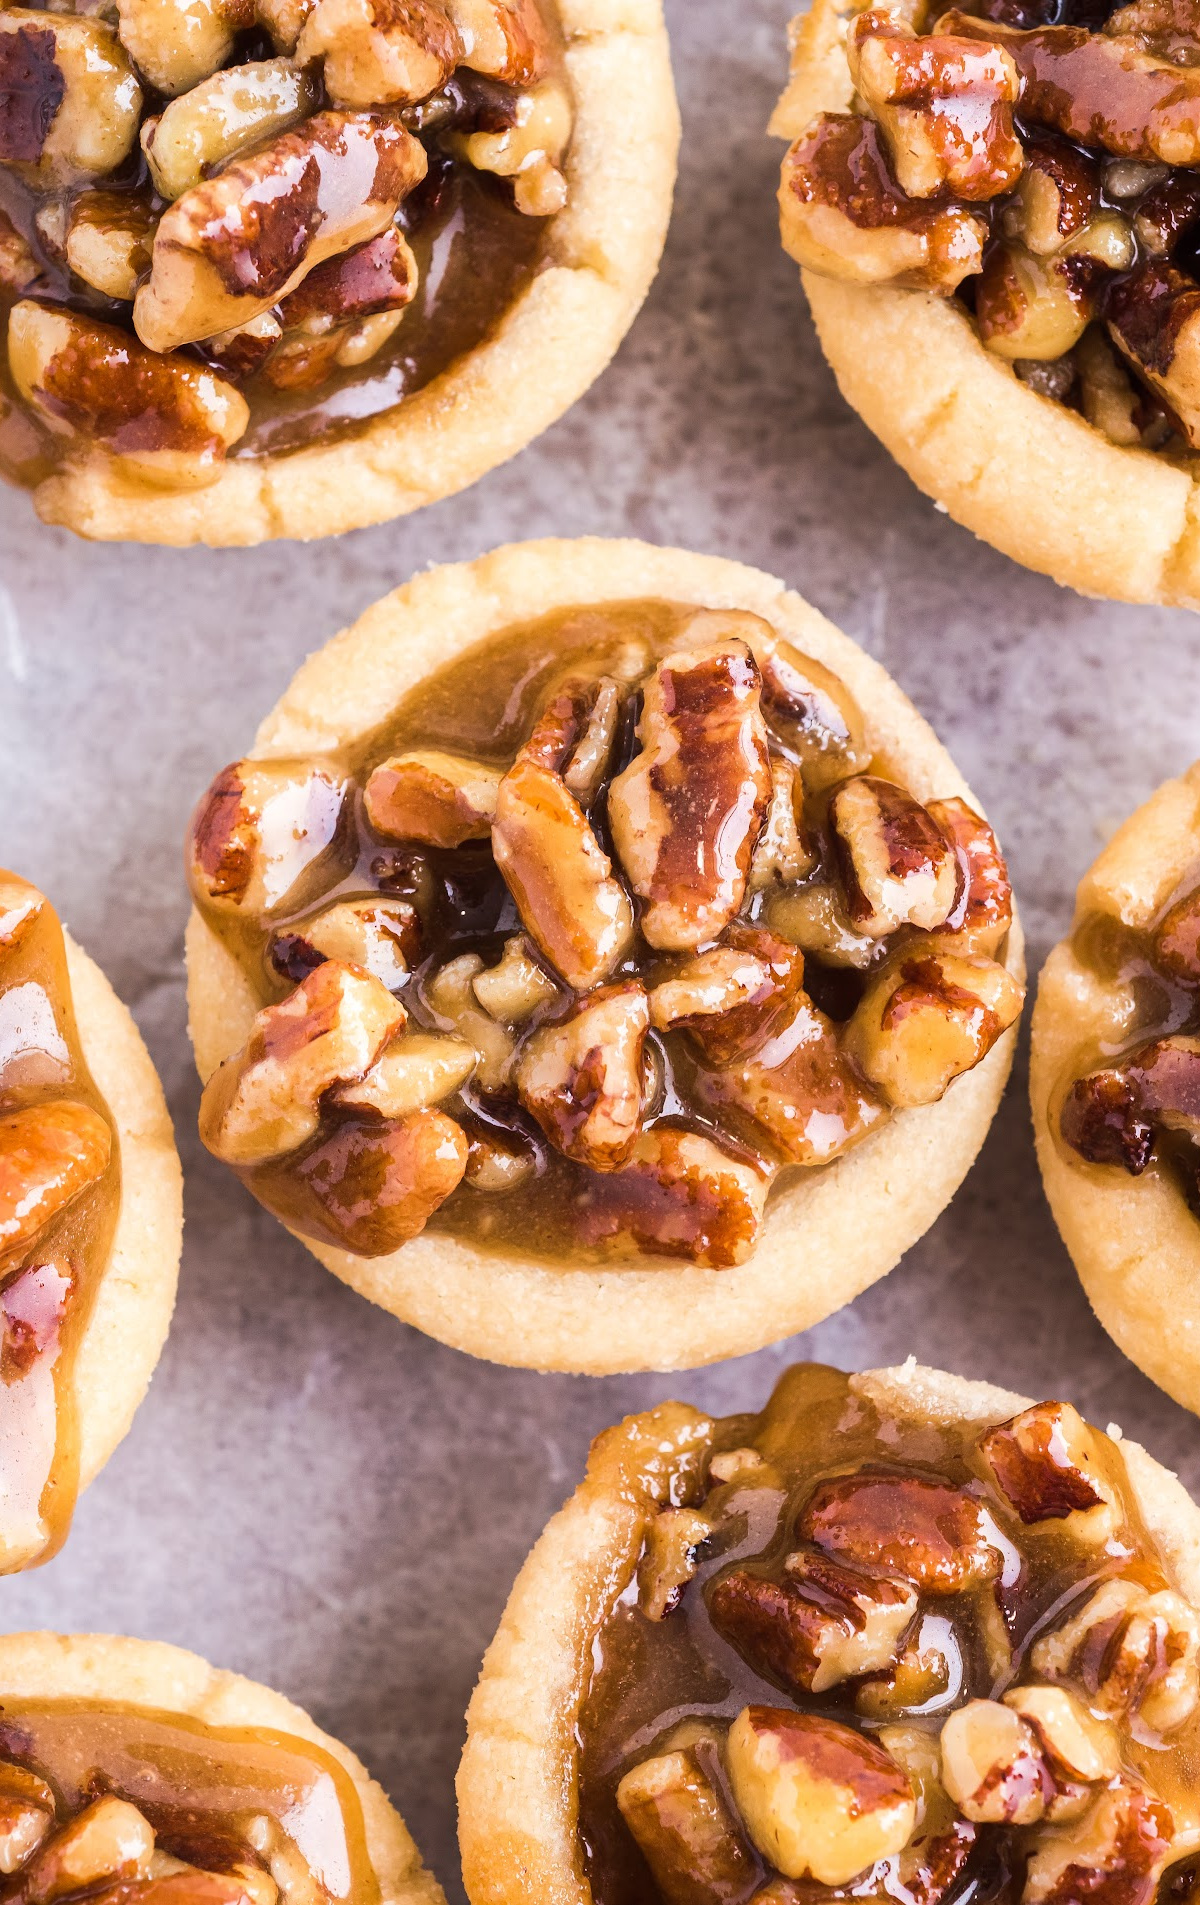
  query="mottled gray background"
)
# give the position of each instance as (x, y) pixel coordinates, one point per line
(314, 1494)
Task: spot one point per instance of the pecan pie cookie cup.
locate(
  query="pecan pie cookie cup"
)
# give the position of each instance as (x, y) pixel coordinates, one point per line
(577, 970)
(901, 1635)
(91, 1223)
(995, 213)
(287, 267)
(134, 1773)
(1115, 1085)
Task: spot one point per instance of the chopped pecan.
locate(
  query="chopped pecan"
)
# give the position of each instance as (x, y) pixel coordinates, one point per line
(529, 150)
(687, 811)
(926, 1870)
(109, 239)
(26, 1816)
(380, 52)
(178, 43)
(416, 1070)
(513, 990)
(283, 21)
(497, 1161)
(19, 269)
(1044, 1462)
(927, 1532)
(813, 713)
(897, 866)
(798, 1089)
(1166, 27)
(927, 1674)
(264, 1100)
(69, 100)
(1029, 308)
(993, 1766)
(1177, 939)
(1112, 1116)
(688, 1836)
(507, 39)
(451, 999)
(731, 997)
(1117, 1851)
(342, 314)
(370, 1188)
(261, 828)
(668, 1559)
(1132, 1650)
(1167, 211)
(592, 751)
(236, 244)
(221, 117)
(945, 107)
(843, 215)
(821, 1624)
(382, 936)
(781, 855)
(49, 1154)
(582, 1077)
(680, 1195)
(1080, 1750)
(110, 1839)
(979, 920)
(1153, 318)
(926, 1018)
(817, 1798)
(1106, 392)
(1057, 195)
(814, 917)
(439, 799)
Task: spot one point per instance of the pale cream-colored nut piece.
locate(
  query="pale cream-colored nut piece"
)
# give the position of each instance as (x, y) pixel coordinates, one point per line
(589, 760)
(19, 269)
(1120, 1844)
(687, 1834)
(531, 147)
(283, 20)
(503, 38)
(79, 118)
(24, 1823)
(513, 989)
(177, 43)
(495, 1163)
(370, 933)
(108, 241)
(332, 183)
(818, 1799)
(712, 983)
(264, 1100)
(686, 813)
(438, 799)
(992, 1765)
(1029, 307)
(814, 917)
(417, 1069)
(222, 116)
(582, 1078)
(669, 1559)
(733, 1465)
(944, 106)
(781, 855)
(1055, 196)
(925, 1675)
(379, 52)
(926, 1018)
(897, 866)
(94, 383)
(261, 828)
(109, 1839)
(1046, 1462)
(50, 1153)
(450, 996)
(1077, 1744)
(1148, 1664)
(572, 906)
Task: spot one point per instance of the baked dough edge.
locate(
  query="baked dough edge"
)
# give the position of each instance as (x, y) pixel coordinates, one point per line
(857, 1216)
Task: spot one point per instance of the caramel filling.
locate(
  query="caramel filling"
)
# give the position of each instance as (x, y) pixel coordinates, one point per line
(60, 1186)
(612, 926)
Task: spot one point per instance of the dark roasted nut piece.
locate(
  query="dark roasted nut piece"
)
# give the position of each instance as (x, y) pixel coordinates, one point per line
(897, 866)
(435, 798)
(108, 241)
(1154, 320)
(945, 107)
(416, 1070)
(1133, 1651)
(165, 421)
(49, 1154)
(927, 1532)
(380, 52)
(669, 1559)
(177, 43)
(260, 829)
(582, 1077)
(382, 936)
(265, 1099)
(1111, 1117)
(235, 245)
(680, 1195)
(798, 1089)
(370, 1188)
(926, 1018)
(1177, 939)
(1167, 211)
(1057, 195)
(110, 1839)
(221, 117)
(842, 214)
(687, 811)
(818, 1799)
(1045, 1463)
(507, 39)
(1117, 1849)
(343, 312)
(812, 712)
(782, 855)
(981, 915)
(69, 100)
(992, 1765)
(688, 1836)
(821, 1624)
(730, 998)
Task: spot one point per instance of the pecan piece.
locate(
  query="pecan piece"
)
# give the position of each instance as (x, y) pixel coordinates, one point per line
(380, 52)
(19, 269)
(668, 1559)
(49, 1155)
(507, 39)
(416, 1070)
(1153, 318)
(688, 1836)
(69, 100)
(1044, 1463)
(382, 936)
(1080, 1751)
(842, 214)
(582, 1077)
(944, 105)
(729, 998)
(221, 117)
(236, 244)
(513, 990)
(1057, 195)
(26, 1816)
(680, 1195)
(264, 1100)
(814, 917)
(1166, 212)
(1117, 1851)
(528, 151)
(812, 712)
(109, 239)
(436, 798)
(925, 1019)
(453, 1003)
(1112, 1116)
(1177, 939)
(992, 1765)
(687, 811)
(370, 1189)
(797, 1088)
(927, 1532)
(818, 1799)
(1132, 1650)
(178, 43)
(821, 1624)
(344, 311)
(262, 828)
(980, 918)
(110, 1839)
(782, 855)
(897, 866)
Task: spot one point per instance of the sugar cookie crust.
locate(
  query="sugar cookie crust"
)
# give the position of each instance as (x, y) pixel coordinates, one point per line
(1133, 1241)
(154, 1674)
(552, 343)
(857, 1216)
(517, 1786)
(1022, 472)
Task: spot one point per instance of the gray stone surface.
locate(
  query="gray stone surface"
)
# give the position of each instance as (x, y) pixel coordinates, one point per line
(313, 1494)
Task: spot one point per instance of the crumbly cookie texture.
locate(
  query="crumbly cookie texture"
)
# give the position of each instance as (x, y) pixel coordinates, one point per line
(155, 1675)
(1133, 1239)
(1020, 470)
(856, 1218)
(518, 1783)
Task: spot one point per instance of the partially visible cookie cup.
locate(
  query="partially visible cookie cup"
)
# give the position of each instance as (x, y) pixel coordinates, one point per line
(518, 1784)
(1133, 1239)
(828, 1234)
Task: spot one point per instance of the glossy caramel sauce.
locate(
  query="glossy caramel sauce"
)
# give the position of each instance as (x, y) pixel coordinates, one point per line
(48, 1285)
(201, 1787)
(650, 1676)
